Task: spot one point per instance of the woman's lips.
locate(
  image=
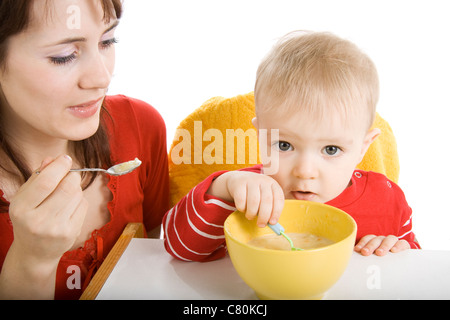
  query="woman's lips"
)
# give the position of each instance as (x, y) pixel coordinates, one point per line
(303, 195)
(87, 109)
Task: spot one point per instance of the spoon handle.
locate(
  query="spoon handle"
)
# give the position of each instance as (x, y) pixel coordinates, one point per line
(81, 170)
(277, 228)
(87, 169)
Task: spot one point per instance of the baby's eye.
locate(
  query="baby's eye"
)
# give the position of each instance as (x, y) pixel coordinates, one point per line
(331, 150)
(284, 146)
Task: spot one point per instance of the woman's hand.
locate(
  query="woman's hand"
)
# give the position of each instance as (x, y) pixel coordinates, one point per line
(258, 195)
(380, 245)
(47, 214)
(48, 210)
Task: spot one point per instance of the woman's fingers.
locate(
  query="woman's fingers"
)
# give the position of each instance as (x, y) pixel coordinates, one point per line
(49, 210)
(41, 185)
(65, 198)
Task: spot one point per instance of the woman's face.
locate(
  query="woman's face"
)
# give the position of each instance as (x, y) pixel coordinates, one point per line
(58, 71)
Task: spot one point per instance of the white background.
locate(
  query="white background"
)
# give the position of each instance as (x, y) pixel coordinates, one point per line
(176, 54)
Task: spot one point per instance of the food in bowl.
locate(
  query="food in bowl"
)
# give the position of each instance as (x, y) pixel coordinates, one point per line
(281, 274)
(300, 240)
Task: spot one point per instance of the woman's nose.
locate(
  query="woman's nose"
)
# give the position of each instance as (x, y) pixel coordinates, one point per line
(97, 73)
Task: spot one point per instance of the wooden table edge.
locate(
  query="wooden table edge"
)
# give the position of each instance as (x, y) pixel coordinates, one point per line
(132, 230)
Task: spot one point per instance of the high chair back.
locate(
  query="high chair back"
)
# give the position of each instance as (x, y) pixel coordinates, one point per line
(219, 136)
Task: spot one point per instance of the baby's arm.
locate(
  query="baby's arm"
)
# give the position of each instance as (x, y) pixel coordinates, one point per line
(193, 229)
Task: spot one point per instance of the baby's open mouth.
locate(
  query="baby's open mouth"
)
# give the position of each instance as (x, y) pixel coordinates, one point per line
(303, 195)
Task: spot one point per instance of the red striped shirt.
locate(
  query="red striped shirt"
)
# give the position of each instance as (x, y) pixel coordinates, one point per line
(193, 229)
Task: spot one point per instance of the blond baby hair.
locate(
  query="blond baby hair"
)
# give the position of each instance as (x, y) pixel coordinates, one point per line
(317, 72)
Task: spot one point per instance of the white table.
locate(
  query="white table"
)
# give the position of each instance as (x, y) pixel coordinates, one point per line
(147, 271)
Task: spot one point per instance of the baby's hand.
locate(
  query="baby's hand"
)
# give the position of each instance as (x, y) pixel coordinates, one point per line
(380, 245)
(255, 194)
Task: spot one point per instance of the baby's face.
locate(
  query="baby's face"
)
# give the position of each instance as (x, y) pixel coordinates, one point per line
(314, 159)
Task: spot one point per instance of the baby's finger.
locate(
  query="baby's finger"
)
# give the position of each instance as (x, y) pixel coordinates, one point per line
(386, 245)
(265, 205)
(400, 246)
(278, 203)
(363, 241)
(362, 248)
(253, 201)
(240, 198)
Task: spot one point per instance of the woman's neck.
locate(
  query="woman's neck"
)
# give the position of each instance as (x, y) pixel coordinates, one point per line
(33, 151)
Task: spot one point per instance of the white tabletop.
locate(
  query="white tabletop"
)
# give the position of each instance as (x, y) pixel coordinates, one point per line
(147, 271)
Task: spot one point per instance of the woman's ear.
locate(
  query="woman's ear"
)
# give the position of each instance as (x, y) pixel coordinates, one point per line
(369, 138)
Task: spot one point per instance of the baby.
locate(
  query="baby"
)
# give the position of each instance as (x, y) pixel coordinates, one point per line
(319, 94)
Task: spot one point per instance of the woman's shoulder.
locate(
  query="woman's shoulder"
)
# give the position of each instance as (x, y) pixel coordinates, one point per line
(132, 111)
(117, 104)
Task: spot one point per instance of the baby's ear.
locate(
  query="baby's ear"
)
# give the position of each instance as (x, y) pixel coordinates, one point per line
(369, 138)
(255, 122)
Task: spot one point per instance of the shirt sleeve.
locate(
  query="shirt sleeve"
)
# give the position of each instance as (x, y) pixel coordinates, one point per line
(193, 229)
(405, 232)
(404, 212)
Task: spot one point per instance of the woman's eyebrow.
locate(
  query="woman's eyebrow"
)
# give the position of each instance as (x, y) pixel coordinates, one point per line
(82, 39)
(114, 25)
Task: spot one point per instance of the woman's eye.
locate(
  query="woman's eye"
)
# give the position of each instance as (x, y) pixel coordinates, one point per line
(108, 43)
(63, 60)
(331, 150)
(67, 59)
(284, 146)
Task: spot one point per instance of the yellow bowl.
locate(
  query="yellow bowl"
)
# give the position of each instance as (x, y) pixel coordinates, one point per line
(283, 275)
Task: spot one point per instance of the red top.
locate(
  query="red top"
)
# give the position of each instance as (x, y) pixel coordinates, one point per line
(193, 229)
(136, 130)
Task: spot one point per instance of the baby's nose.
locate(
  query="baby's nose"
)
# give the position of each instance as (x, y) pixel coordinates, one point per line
(305, 168)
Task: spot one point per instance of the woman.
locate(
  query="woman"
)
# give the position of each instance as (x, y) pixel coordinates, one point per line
(56, 226)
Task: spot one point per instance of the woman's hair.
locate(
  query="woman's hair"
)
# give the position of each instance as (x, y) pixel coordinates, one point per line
(15, 16)
(320, 73)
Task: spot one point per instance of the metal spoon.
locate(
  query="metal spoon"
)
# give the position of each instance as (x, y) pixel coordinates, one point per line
(116, 170)
(279, 230)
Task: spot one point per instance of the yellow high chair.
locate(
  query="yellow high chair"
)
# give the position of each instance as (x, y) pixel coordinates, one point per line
(202, 144)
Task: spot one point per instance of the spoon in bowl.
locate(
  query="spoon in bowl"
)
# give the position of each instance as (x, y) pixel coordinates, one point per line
(279, 230)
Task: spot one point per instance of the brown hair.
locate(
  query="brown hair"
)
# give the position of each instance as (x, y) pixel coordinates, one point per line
(319, 73)
(91, 152)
